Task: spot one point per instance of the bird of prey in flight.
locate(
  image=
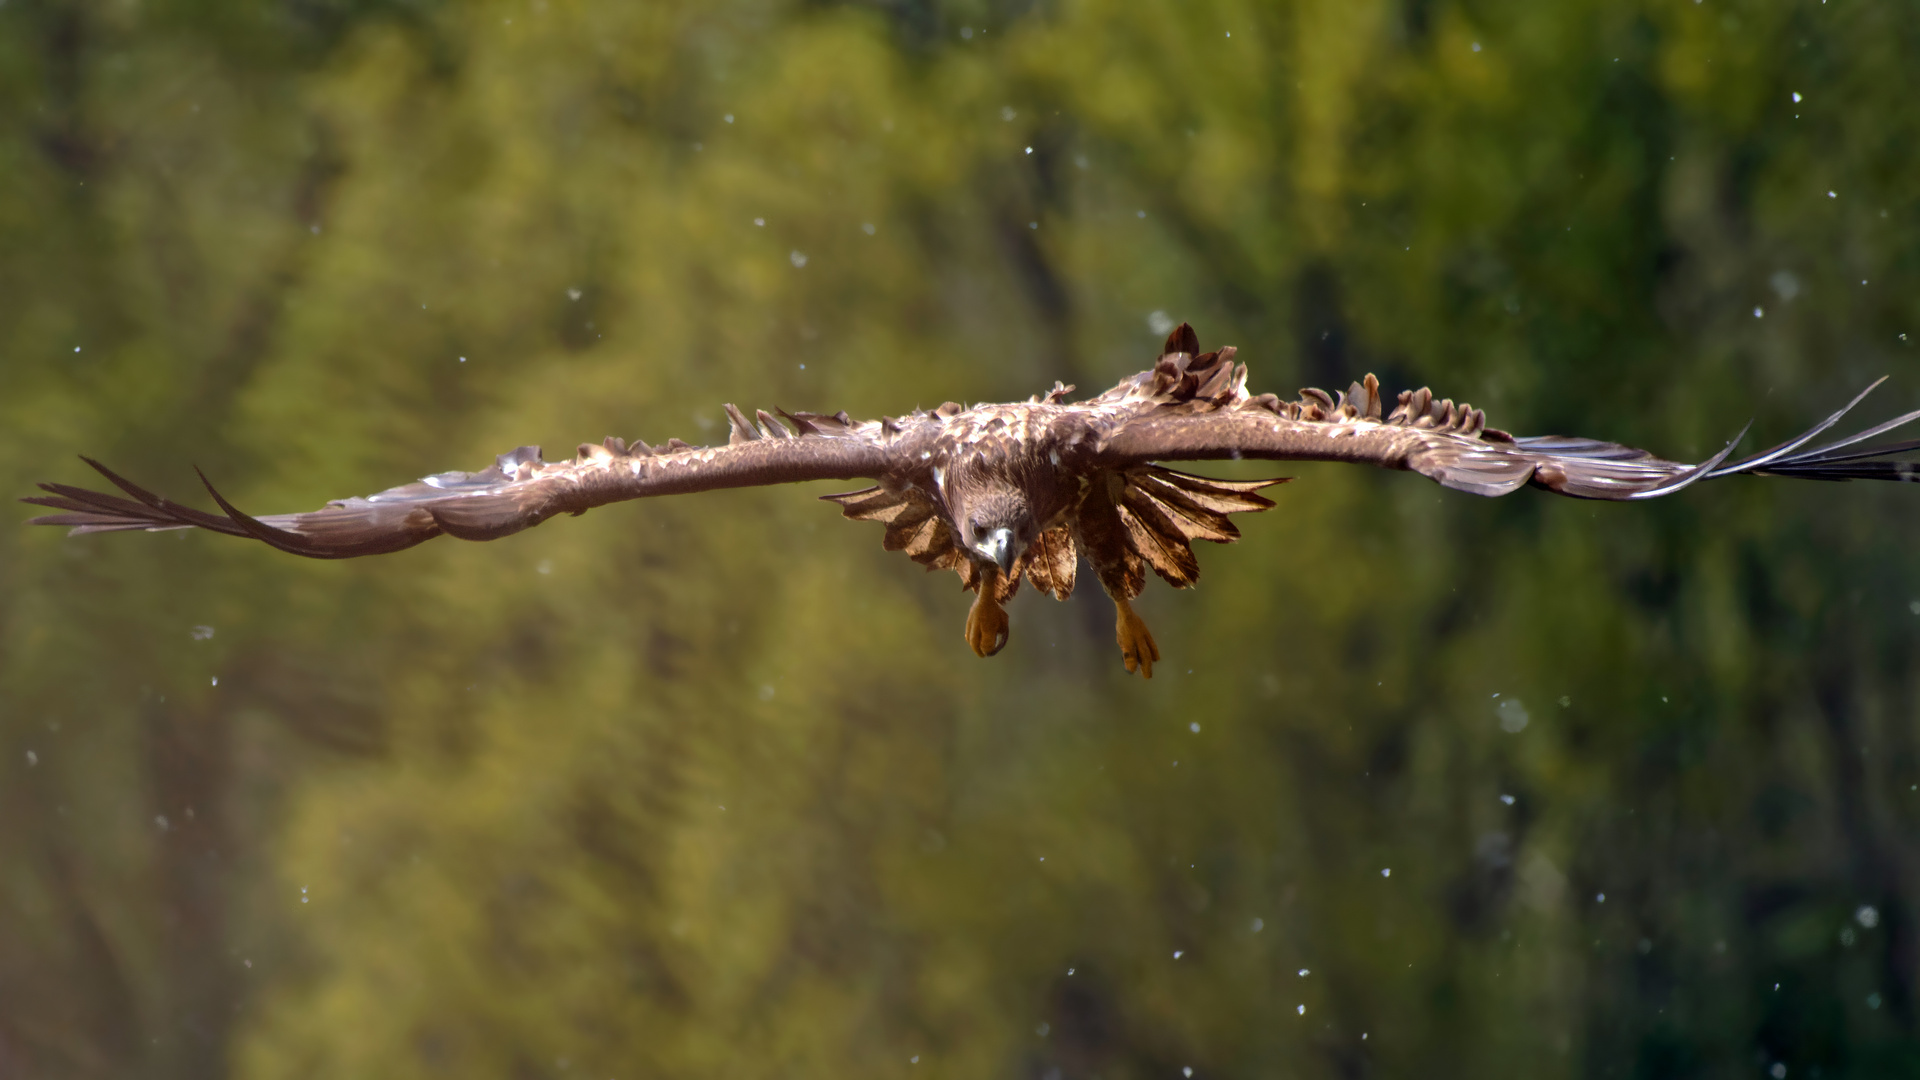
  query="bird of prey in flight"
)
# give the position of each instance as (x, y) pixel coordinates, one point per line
(1026, 489)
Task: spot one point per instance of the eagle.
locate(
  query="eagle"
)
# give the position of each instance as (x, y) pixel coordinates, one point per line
(1001, 492)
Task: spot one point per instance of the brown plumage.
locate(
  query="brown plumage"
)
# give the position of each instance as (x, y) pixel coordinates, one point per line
(1000, 492)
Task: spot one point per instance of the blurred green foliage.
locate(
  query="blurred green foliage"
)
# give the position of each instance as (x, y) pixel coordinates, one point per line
(712, 787)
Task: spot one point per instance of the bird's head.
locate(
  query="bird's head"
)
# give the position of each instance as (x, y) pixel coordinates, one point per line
(996, 524)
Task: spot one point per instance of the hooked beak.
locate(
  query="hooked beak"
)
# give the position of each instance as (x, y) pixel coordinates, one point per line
(998, 547)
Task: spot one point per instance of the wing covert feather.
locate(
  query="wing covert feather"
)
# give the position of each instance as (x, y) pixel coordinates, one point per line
(1468, 463)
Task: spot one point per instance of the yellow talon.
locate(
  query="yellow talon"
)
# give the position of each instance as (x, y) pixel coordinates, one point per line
(1136, 641)
(987, 622)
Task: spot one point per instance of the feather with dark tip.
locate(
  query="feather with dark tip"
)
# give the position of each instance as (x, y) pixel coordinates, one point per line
(1051, 562)
(771, 427)
(739, 428)
(1159, 546)
(1183, 340)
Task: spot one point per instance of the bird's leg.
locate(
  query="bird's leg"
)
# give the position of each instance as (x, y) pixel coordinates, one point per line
(1137, 649)
(987, 622)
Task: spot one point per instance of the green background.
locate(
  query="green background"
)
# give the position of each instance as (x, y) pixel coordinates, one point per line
(712, 787)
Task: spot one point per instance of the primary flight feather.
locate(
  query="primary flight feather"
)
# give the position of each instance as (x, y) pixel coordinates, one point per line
(1025, 489)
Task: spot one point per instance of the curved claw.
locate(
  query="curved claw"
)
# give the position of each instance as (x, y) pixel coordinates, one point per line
(1137, 648)
(986, 623)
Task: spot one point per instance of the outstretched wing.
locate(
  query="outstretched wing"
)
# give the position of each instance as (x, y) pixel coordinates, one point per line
(519, 491)
(1452, 444)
